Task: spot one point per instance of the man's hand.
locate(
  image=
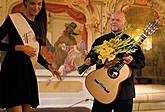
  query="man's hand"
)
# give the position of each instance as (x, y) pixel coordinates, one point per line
(128, 59)
(88, 61)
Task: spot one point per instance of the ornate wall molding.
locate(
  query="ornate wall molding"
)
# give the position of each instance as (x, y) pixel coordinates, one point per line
(124, 5)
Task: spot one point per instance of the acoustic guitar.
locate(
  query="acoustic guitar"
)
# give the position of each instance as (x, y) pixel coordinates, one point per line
(104, 83)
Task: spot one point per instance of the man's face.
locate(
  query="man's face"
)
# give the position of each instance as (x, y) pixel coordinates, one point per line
(117, 22)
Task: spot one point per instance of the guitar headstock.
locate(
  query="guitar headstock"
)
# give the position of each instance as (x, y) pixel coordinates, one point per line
(151, 28)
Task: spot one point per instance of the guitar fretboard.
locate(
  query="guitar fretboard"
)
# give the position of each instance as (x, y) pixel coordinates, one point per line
(121, 63)
(143, 37)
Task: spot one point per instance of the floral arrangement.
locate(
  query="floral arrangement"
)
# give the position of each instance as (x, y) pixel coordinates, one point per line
(109, 49)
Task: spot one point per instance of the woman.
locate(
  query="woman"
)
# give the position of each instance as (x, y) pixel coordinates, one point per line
(18, 83)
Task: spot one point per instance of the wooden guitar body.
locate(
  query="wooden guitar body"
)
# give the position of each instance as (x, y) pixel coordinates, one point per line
(105, 86)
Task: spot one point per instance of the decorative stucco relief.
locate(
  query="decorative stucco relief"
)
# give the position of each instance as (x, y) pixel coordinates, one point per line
(124, 5)
(158, 5)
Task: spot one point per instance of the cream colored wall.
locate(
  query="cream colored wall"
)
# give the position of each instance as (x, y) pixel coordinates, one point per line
(6, 7)
(2, 10)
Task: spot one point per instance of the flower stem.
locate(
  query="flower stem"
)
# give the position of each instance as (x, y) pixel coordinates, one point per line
(82, 68)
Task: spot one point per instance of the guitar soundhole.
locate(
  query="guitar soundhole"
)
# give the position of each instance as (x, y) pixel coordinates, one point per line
(112, 73)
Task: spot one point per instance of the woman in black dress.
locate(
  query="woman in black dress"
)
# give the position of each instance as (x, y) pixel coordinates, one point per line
(18, 83)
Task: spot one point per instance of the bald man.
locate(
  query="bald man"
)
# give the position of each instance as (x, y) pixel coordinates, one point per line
(124, 101)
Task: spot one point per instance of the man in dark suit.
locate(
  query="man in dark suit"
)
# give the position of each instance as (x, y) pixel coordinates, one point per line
(124, 101)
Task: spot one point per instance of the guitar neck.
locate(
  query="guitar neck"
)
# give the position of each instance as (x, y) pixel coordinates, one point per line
(142, 38)
(121, 61)
(119, 65)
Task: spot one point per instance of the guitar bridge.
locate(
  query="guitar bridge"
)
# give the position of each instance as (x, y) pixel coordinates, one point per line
(102, 86)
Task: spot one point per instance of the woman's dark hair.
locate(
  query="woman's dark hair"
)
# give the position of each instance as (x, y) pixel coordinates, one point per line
(40, 23)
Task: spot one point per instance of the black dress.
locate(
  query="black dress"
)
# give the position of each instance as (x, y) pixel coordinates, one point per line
(18, 82)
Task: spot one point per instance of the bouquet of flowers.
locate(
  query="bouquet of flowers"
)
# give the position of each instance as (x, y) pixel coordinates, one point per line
(109, 49)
